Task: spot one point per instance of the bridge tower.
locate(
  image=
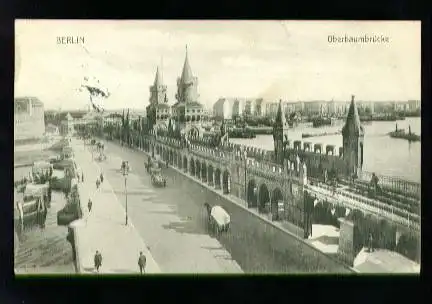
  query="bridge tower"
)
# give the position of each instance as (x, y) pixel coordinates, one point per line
(280, 135)
(353, 139)
(158, 111)
(188, 113)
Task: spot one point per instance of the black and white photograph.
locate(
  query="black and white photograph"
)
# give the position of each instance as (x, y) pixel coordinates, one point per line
(217, 147)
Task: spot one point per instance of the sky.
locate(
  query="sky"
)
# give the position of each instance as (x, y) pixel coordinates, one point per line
(289, 60)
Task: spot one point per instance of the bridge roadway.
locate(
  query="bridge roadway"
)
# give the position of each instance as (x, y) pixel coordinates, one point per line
(172, 222)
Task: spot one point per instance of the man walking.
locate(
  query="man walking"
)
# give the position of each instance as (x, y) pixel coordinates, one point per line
(89, 205)
(142, 262)
(97, 183)
(97, 260)
(101, 177)
(370, 243)
(82, 177)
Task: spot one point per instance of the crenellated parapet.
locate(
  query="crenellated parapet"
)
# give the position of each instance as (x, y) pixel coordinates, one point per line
(317, 148)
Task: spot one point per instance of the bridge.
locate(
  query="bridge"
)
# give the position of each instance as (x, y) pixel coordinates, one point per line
(289, 193)
(286, 192)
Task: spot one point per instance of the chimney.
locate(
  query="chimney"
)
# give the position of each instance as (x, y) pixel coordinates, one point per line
(352, 97)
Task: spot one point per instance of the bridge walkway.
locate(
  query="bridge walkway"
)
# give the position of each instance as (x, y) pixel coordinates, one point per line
(354, 201)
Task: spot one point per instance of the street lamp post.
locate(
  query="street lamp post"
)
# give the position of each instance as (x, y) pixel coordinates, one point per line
(245, 176)
(125, 174)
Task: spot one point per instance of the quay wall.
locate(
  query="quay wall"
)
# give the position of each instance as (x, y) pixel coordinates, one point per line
(283, 244)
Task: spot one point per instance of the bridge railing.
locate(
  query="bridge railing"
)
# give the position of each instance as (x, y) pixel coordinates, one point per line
(394, 214)
(394, 184)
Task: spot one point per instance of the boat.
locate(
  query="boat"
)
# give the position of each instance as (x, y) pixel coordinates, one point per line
(72, 210)
(241, 133)
(29, 211)
(319, 122)
(306, 135)
(402, 135)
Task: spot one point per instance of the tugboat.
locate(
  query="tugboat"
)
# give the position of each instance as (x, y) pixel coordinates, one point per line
(400, 133)
(319, 122)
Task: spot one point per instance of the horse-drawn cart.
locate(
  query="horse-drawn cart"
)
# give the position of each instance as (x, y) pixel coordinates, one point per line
(218, 219)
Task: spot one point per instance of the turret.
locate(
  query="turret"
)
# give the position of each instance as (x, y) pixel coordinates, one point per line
(353, 138)
(187, 84)
(280, 135)
(158, 90)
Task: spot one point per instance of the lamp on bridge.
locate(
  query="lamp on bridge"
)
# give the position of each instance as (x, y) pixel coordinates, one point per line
(125, 172)
(245, 173)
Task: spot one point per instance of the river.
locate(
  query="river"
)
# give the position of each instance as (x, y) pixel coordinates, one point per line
(382, 154)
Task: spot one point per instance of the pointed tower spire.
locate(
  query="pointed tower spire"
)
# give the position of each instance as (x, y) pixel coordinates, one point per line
(280, 135)
(352, 124)
(162, 69)
(186, 76)
(280, 120)
(158, 78)
(353, 141)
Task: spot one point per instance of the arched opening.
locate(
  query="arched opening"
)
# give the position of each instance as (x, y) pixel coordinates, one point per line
(277, 202)
(252, 197)
(264, 199)
(179, 162)
(198, 169)
(361, 154)
(192, 167)
(217, 180)
(193, 133)
(226, 182)
(210, 175)
(204, 172)
(185, 164)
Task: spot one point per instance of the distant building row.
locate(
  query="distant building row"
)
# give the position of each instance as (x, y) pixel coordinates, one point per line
(227, 108)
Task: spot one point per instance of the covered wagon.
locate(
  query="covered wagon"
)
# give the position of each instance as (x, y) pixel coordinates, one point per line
(218, 218)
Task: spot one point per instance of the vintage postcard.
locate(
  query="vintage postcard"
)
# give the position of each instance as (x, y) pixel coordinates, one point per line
(150, 147)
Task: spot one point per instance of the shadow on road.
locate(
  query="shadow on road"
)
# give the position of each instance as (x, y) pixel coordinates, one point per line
(162, 212)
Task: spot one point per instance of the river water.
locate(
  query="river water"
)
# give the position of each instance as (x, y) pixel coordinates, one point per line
(382, 154)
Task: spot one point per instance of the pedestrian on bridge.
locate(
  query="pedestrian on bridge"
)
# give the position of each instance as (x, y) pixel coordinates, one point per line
(82, 177)
(97, 183)
(142, 261)
(101, 177)
(370, 243)
(89, 205)
(97, 260)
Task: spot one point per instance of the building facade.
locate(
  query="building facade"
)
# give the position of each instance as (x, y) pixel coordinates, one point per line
(67, 126)
(29, 121)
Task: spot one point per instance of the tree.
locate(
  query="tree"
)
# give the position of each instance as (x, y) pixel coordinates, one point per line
(127, 127)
